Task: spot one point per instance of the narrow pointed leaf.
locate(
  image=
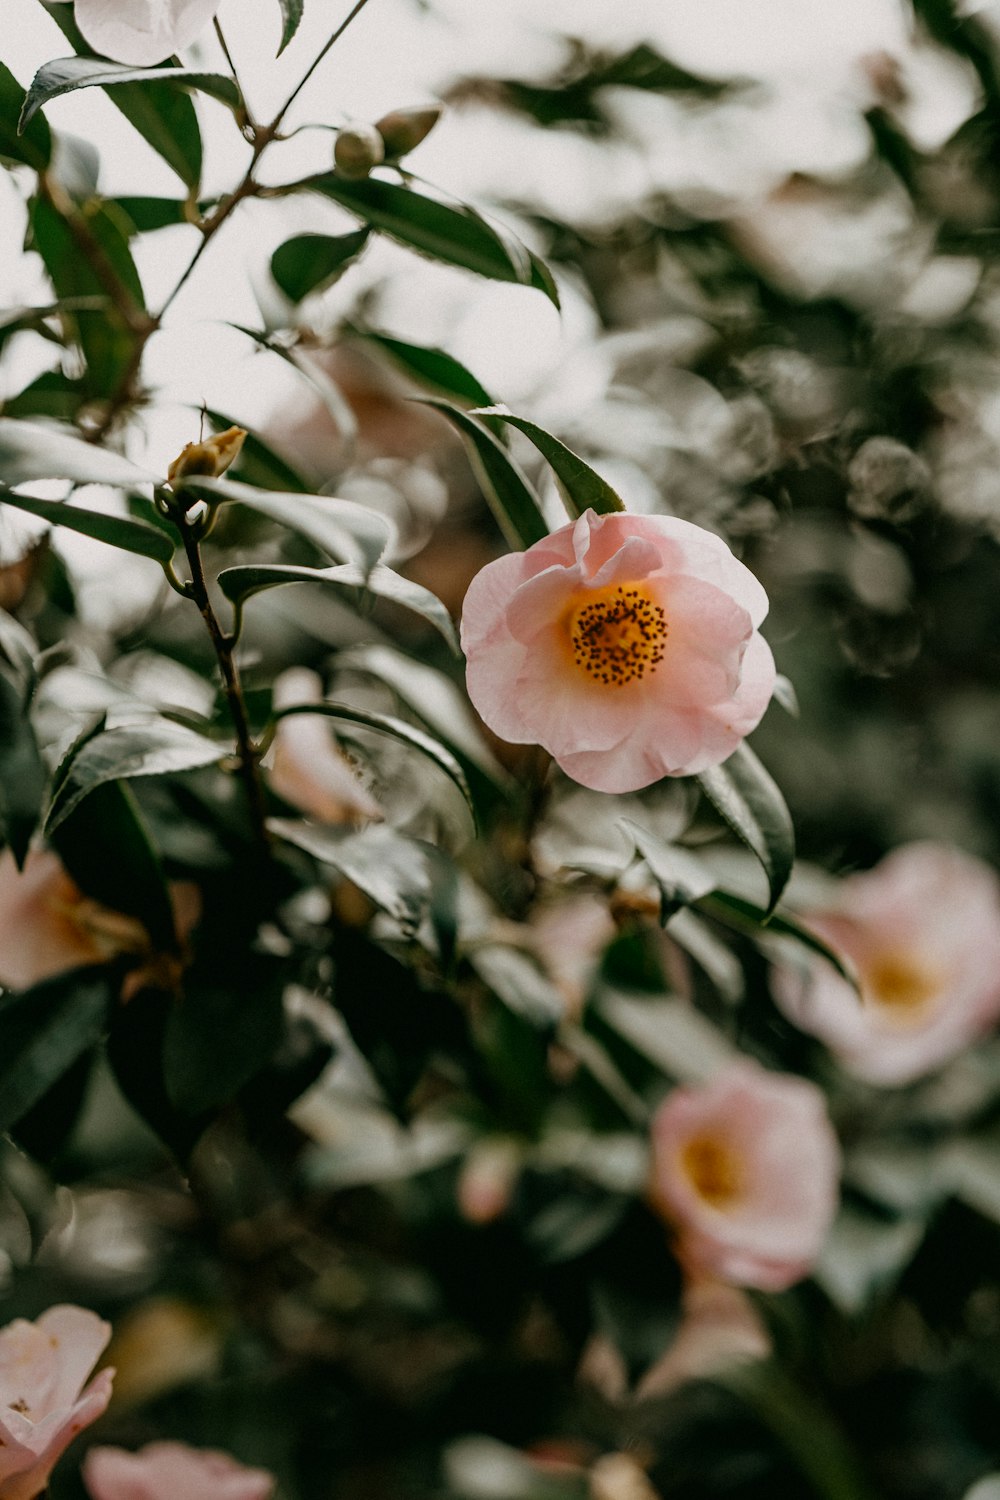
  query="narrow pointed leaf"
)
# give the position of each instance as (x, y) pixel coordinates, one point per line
(457, 236)
(291, 15)
(397, 729)
(117, 531)
(346, 531)
(392, 870)
(746, 916)
(33, 146)
(311, 262)
(514, 503)
(745, 795)
(581, 487)
(238, 584)
(435, 370)
(65, 74)
(45, 1030)
(258, 463)
(33, 450)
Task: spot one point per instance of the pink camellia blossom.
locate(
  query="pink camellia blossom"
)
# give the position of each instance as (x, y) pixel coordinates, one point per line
(306, 766)
(172, 1471)
(746, 1169)
(142, 32)
(922, 930)
(43, 1402)
(626, 646)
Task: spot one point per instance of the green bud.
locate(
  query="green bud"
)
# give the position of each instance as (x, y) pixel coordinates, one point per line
(403, 129)
(357, 149)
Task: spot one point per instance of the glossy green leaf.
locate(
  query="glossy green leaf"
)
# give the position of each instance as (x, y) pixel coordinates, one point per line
(45, 1030)
(36, 450)
(22, 771)
(146, 214)
(458, 236)
(341, 528)
(311, 262)
(397, 729)
(747, 917)
(581, 487)
(433, 369)
(33, 147)
(219, 1036)
(681, 876)
(513, 502)
(745, 795)
(117, 531)
(107, 341)
(239, 584)
(257, 462)
(52, 394)
(392, 870)
(65, 74)
(157, 748)
(291, 15)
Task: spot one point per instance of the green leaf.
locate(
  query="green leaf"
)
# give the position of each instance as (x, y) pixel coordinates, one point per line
(106, 847)
(513, 502)
(107, 341)
(749, 800)
(257, 463)
(239, 584)
(22, 771)
(580, 486)
(45, 1030)
(681, 876)
(34, 146)
(392, 870)
(157, 748)
(219, 1036)
(397, 729)
(146, 214)
(163, 114)
(36, 450)
(65, 74)
(747, 917)
(117, 531)
(291, 15)
(432, 368)
(343, 529)
(311, 262)
(457, 236)
(52, 394)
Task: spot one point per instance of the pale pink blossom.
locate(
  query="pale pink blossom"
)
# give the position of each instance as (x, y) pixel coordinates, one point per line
(172, 1471)
(142, 32)
(719, 1329)
(569, 936)
(746, 1168)
(627, 646)
(43, 1401)
(307, 768)
(487, 1180)
(922, 930)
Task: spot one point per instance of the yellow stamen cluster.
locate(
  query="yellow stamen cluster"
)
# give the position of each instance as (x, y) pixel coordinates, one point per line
(619, 637)
(713, 1169)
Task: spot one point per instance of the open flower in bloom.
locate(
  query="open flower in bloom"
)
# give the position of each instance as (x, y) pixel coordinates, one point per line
(172, 1471)
(43, 1401)
(142, 32)
(922, 930)
(746, 1169)
(306, 766)
(627, 646)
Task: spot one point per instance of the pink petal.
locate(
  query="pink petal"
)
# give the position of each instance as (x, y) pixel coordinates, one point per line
(77, 1338)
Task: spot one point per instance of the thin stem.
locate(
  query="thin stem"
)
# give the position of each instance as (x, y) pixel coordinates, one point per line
(232, 68)
(296, 91)
(223, 645)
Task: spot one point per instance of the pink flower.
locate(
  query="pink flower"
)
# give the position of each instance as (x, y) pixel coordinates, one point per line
(172, 1471)
(306, 766)
(42, 1369)
(746, 1169)
(626, 645)
(719, 1329)
(923, 932)
(142, 32)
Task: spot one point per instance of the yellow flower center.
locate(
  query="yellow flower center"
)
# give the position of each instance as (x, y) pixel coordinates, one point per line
(899, 982)
(713, 1169)
(618, 635)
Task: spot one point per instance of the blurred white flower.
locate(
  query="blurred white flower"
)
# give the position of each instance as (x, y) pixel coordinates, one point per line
(142, 32)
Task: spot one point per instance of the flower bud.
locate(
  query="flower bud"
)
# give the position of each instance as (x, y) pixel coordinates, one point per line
(356, 150)
(211, 458)
(403, 129)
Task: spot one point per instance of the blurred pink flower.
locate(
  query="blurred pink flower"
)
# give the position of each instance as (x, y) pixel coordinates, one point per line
(48, 926)
(923, 932)
(172, 1471)
(625, 645)
(746, 1169)
(142, 32)
(43, 1366)
(569, 936)
(719, 1329)
(487, 1180)
(306, 767)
